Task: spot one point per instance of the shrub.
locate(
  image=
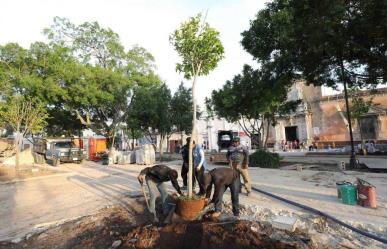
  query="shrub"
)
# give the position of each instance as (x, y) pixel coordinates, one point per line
(264, 159)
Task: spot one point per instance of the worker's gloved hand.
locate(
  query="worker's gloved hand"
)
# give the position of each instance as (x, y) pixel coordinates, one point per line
(140, 178)
(198, 168)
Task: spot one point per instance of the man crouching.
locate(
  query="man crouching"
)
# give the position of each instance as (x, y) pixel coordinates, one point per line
(155, 178)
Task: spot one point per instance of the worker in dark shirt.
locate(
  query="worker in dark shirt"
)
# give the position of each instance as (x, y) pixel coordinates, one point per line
(238, 158)
(184, 168)
(222, 178)
(155, 178)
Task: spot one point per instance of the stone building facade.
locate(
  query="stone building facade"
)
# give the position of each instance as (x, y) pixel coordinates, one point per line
(322, 120)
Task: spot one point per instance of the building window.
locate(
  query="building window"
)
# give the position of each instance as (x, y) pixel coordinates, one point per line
(369, 127)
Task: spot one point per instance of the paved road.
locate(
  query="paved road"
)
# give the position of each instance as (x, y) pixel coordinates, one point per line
(371, 162)
(83, 189)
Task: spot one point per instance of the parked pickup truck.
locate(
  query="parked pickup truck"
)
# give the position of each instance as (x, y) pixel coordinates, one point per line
(57, 150)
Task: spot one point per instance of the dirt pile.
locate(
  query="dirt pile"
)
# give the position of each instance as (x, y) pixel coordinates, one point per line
(118, 227)
(228, 235)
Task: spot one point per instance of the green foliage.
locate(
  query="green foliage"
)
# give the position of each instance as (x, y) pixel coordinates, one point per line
(264, 159)
(181, 109)
(250, 99)
(88, 41)
(103, 83)
(325, 42)
(84, 76)
(199, 47)
(152, 110)
(200, 50)
(23, 115)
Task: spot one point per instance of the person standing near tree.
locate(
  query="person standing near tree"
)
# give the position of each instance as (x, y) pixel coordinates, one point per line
(238, 157)
(184, 168)
(200, 165)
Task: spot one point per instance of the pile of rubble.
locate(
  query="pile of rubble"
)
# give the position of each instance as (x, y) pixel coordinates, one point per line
(323, 233)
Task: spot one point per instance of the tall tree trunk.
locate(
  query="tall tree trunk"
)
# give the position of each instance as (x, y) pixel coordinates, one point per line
(262, 135)
(193, 136)
(266, 134)
(168, 145)
(361, 135)
(17, 147)
(352, 160)
(132, 138)
(181, 138)
(162, 137)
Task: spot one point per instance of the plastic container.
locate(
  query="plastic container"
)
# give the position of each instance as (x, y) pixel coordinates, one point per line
(189, 209)
(348, 194)
(366, 194)
(339, 185)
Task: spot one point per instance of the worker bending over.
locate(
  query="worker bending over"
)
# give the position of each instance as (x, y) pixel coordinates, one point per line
(155, 178)
(223, 178)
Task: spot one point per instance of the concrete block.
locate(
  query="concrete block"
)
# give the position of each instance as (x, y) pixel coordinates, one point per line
(285, 223)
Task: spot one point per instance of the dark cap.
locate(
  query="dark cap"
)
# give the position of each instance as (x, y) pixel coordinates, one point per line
(236, 139)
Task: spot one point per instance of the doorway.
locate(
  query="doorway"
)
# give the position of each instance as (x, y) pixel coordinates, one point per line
(291, 133)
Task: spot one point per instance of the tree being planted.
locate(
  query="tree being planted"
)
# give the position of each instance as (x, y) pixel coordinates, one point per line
(200, 50)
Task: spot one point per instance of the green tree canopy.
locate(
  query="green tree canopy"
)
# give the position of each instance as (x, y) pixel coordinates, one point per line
(107, 77)
(325, 42)
(24, 116)
(151, 111)
(253, 101)
(181, 109)
(200, 50)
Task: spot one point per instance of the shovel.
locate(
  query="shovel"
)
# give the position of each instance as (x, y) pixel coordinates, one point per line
(144, 192)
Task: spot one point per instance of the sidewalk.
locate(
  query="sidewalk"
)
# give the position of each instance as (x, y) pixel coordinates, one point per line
(84, 189)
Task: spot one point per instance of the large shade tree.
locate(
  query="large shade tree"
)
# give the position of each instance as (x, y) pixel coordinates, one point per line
(326, 42)
(181, 110)
(151, 112)
(200, 50)
(103, 89)
(39, 72)
(253, 101)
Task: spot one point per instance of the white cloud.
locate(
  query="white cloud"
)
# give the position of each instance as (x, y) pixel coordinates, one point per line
(147, 23)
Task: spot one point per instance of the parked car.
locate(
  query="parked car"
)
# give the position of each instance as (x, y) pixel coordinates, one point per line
(57, 150)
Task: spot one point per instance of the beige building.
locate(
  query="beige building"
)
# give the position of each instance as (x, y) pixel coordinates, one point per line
(322, 119)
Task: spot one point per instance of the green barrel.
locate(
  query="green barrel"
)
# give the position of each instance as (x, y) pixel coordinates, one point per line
(348, 194)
